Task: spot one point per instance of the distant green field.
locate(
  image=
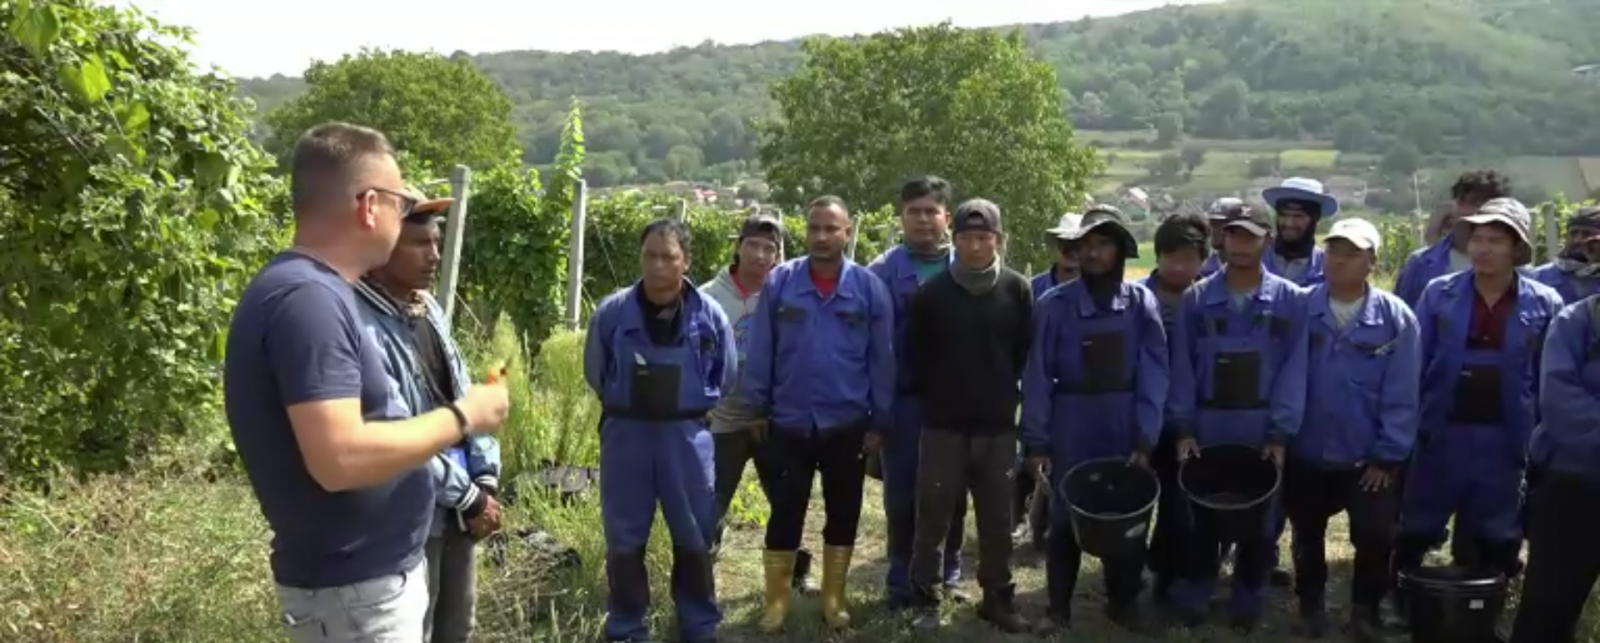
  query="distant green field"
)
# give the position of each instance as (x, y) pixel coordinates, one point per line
(1316, 159)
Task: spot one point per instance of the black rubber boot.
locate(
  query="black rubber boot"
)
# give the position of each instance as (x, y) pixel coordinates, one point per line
(1313, 622)
(999, 609)
(1366, 624)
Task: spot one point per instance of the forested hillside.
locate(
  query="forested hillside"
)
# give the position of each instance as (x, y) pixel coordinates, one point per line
(1449, 77)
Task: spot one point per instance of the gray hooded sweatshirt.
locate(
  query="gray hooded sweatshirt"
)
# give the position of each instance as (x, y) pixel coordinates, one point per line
(733, 414)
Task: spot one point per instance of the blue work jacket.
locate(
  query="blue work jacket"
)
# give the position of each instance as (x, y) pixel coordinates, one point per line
(456, 471)
(1362, 403)
(822, 363)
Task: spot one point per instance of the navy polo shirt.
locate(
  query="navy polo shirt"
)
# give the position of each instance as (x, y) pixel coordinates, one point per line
(296, 338)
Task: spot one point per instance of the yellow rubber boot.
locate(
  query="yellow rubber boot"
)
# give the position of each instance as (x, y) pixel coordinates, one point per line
(779, 567)
(835, 568)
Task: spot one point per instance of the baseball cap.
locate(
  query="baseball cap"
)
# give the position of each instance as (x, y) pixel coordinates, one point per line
(1359, 232)
(1224, 209)
(761, 224)
(426, 206)
(1109, 220)
(1587, 220)
(977, 215)
(1249, 218)
(1508, 212)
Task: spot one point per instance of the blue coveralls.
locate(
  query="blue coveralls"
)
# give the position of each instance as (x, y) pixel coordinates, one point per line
(1313, 274)
(1263, 341)
(898, 272)
(1423, 266)
(1043, 282)
(822, 367)
(1109, 365)
(1361, 409)
(1571, 287)
(1562, 526)
(1477, 415)
(1170, 530)
(655, 447)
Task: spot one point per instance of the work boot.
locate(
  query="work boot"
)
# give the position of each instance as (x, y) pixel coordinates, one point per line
(779, 566)
(999, 609)
(1366, 624)
(803, 581)
(1280, 577)
(835, 569)
(1053, 622)
(1128, 617)
(927, 620)
(1313, 620)
(954, 593)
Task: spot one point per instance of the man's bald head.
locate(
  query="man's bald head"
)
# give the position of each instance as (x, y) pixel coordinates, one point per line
(336, 161)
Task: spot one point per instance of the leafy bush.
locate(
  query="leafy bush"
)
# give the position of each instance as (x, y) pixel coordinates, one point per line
(132, 209)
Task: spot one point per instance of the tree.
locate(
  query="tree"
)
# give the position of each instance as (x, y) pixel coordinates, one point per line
(1352, 133)
(1403, 158)
(133, 207)
(1191, 157)
(1166, 167)
(969, 105)
(442, 112)
(1169, 128)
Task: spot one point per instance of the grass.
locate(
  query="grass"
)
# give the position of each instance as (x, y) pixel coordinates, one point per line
(172, 558)
(1313, 159)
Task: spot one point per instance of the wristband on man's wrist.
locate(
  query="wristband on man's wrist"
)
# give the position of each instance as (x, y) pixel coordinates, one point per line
(461, 420)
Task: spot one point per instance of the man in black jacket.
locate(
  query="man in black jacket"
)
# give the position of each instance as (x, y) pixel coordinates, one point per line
(966, 344)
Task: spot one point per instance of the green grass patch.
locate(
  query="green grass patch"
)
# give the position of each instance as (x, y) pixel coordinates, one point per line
(1306, 158)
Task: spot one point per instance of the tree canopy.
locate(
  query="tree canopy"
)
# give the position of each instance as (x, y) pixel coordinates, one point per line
(1450, 76)
(441, 111)
(971, 106)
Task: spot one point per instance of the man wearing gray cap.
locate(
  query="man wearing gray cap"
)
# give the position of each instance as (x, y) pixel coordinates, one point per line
(737, 430)
(1482, 331)
(966, 344)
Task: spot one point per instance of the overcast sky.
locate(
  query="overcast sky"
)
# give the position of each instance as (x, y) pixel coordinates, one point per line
(262, 37)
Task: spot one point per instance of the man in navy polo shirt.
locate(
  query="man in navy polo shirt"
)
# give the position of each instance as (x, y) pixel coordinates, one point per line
(340, 473)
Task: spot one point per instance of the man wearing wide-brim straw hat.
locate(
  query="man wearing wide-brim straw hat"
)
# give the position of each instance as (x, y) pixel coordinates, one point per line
(1482, 333)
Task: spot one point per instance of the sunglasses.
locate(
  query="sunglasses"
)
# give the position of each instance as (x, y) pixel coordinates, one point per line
(407, 202)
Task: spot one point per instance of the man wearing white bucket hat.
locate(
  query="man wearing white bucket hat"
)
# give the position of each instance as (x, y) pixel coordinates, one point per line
(1062, 236)
(1482, 332)
(1299, 205)
(1361, 420)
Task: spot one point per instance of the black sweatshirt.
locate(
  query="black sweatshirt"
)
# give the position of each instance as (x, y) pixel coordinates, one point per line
(966, 352)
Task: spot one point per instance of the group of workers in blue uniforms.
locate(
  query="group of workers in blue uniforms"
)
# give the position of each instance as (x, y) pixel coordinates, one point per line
(1403, 410)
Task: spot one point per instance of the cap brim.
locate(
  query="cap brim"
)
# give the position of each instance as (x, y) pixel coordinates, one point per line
(432, 206)
(1117, 229)
(1329, 204)
(1060, 232)
(1250, 226)
(1358, 242)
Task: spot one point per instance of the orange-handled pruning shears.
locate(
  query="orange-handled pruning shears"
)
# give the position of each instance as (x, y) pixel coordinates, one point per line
(496, 372)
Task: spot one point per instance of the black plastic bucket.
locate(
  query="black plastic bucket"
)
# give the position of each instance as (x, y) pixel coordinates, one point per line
(1453, 604)
(1230, 485)
(1112, 503)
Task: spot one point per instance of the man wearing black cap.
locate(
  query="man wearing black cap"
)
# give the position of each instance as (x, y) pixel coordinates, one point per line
(736, 428)
(1576, 273)
(966, 343)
